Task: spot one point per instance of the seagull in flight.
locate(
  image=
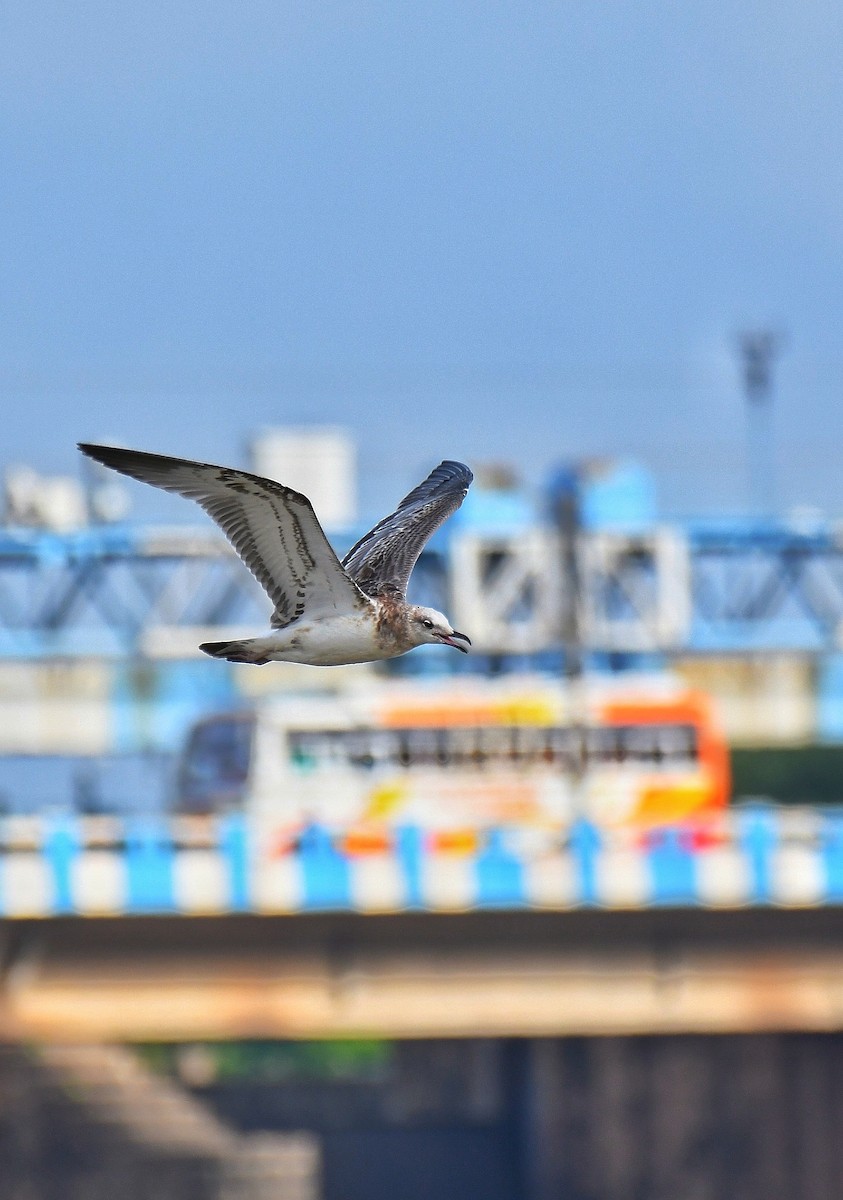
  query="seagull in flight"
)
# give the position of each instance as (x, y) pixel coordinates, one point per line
(326, 612)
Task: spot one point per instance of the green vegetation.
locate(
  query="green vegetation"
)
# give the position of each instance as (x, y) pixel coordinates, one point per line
(361, 1060)
(790, 775)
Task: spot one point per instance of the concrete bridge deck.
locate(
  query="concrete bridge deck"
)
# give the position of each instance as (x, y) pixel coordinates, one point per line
(411, 975)
(157, 930)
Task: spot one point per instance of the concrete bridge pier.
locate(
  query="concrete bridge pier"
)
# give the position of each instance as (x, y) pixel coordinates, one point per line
(91, 1123)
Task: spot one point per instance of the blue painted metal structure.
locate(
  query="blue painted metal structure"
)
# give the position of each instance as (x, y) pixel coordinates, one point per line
(756, 856)
(754, 587)
(760, 586)
(99, 591)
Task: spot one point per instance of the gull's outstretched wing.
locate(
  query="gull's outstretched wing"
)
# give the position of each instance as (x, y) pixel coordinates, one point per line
(272, 528)
(381, 561)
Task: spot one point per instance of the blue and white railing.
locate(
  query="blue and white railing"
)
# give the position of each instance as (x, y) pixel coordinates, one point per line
(101, 867)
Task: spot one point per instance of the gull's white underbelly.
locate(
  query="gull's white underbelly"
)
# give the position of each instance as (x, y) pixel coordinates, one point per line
(331, 642)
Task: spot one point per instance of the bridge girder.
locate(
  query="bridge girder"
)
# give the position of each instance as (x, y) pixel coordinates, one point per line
(663, 591)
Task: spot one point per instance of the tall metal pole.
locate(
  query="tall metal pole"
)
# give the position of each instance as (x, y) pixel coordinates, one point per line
(758, 349)
(568, 523)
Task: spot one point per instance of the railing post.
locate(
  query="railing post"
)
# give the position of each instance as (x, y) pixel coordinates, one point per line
(585, 842)
(759, 837)
(234, 843)
(671, 867)
(409, 847)
(500, 876)
(150, 859)
(61, 845)
(325, 872)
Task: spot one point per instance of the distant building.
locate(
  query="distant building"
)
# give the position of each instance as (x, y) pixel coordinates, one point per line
(54, 502)
(320, 462)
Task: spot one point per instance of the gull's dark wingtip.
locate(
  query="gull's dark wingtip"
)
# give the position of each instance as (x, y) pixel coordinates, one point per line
(456, 471)
(100, 454)
(450, 478)
(139, 464)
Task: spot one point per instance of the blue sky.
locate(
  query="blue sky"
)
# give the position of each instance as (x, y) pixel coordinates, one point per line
(490, 231)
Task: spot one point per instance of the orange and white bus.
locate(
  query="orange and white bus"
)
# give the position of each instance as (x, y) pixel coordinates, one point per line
(457, 756)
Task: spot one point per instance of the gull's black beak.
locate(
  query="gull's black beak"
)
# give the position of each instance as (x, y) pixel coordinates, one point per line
(449, 641)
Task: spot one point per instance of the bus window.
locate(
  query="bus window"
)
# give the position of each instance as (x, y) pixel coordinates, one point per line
(423, 747)
(383, 747)
(657, 745)
(301, 751)
(600, 743)
(403, 755)
(614, 747)
(529, 744)
(561, 748)
(357, 748)
(638, 743)
(496, 742)
(678, 743)
(495, 746)
(215, 765)
(461, 743)
(478, 751)
(304, 749)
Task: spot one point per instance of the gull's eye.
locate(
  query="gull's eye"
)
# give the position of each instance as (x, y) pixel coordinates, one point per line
(427, 624)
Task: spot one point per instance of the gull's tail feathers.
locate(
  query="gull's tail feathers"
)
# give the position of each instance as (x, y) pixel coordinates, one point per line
(251, 650)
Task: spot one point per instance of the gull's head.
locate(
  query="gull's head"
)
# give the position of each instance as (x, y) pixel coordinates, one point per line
(429, 626)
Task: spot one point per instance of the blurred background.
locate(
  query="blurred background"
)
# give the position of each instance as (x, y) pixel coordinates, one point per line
(559, 920)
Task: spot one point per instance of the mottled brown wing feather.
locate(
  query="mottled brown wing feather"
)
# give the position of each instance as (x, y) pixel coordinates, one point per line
(272, 528)
(381, 562)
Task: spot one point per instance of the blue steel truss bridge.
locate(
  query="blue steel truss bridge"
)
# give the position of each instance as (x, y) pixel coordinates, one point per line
(700, 588)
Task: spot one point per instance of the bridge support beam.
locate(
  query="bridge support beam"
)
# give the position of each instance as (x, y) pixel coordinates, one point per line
(422, 976)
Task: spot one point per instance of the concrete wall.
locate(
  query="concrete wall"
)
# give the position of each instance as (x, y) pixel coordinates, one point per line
(677, 1117)
(686, 1118)
(90, 1123)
